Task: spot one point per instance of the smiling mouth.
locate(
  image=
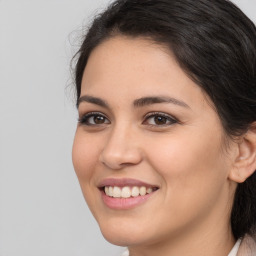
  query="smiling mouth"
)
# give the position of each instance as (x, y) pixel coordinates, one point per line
(127, 191)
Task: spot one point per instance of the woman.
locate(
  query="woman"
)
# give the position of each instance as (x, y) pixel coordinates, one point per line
(165, 148)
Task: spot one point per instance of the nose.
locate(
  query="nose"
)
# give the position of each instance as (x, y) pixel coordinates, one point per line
(121, 149)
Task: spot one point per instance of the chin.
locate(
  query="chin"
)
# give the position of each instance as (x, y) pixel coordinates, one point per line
(117, 239)
(123, 235)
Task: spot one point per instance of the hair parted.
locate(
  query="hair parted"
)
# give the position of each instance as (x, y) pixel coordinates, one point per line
(214, 42)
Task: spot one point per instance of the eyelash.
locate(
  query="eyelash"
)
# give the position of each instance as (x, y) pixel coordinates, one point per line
(84, 120)
(167, 117)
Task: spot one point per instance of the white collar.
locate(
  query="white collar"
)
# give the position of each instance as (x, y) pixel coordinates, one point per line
(235, 248)
(125, 253)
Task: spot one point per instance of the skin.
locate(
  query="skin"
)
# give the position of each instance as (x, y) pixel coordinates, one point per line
(190, 212)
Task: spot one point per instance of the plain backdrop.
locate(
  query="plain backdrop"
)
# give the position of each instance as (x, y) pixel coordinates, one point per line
(42, 210)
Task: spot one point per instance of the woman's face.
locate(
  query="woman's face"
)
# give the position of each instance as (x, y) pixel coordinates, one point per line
(149, 137)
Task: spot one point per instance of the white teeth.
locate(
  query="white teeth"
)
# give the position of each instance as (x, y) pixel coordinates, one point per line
(127, 192)
(135, 191)
(149, 190)
(143, 191)
(110, 191)
(117, 192)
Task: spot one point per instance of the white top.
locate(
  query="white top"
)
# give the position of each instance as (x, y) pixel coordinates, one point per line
(233, 252)
(235, 248)
(125, 253)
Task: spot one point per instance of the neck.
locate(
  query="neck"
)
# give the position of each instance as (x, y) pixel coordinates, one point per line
(198, 242)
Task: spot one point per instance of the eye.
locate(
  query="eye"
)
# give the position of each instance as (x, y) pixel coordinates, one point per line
(159, 119)
(93, 118)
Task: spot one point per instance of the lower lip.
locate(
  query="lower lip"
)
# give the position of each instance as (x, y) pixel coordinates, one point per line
(124, 203)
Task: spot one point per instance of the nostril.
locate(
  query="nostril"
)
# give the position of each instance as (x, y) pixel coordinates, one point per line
(117, 155)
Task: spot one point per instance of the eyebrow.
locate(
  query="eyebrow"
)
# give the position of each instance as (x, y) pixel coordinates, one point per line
(145, 101)
(141, 102)
(93, 100)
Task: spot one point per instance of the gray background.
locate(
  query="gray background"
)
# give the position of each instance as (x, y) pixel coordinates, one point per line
(42, 211)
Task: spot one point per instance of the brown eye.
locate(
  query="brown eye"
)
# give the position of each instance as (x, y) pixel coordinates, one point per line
(159, 119)
(99, 119)
(91, 119)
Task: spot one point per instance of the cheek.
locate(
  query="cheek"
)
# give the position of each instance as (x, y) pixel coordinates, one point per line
(192, 168)
(185, 152)
(84, 156)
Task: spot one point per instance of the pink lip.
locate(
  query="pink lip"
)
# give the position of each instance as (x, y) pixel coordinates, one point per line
(124, 203)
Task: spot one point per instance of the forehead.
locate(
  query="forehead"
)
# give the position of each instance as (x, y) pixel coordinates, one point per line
(132, 68)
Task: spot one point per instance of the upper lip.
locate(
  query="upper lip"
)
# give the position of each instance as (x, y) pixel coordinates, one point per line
(123, 182)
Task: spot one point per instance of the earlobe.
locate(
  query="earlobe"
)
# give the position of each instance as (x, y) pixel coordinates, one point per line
(245, 162)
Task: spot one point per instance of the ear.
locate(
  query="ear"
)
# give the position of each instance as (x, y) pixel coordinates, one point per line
(245, 161)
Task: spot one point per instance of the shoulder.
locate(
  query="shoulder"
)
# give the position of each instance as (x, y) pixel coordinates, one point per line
(248, 246)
